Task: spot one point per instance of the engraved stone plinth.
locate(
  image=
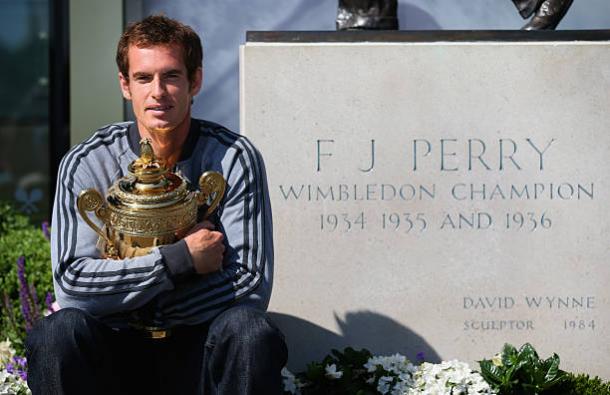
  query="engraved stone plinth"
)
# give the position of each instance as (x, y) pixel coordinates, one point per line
(445, 197)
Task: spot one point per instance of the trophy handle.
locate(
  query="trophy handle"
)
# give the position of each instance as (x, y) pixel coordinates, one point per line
(212, 186)
(91, 200)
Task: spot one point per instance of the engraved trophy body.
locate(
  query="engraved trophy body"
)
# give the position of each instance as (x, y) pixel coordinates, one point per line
(149, 207)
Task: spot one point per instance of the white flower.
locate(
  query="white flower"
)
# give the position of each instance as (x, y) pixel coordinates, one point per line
(396, 373)
(6, 353)
(402, 387)
(290, 382)
(332, 372)
(383, 385)
(449, 377)
(396, 364)
(10, 384)
(497, 360)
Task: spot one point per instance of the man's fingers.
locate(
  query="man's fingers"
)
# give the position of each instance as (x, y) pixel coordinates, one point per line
(206, 246)
(218, 236)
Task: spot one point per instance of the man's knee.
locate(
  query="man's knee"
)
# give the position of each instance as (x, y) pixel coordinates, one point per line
(245, 325)
(63, 329)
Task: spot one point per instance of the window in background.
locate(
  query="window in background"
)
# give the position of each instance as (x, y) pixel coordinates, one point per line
(28, 153)
(24, 106)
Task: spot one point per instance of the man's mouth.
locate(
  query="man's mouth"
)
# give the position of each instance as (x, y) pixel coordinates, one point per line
(158, 108)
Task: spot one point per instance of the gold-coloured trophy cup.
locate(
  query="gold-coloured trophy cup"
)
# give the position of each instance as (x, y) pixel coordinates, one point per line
(149, 207)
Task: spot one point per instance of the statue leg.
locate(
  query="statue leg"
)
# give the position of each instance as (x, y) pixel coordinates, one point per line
(527, 7)
(548, 16)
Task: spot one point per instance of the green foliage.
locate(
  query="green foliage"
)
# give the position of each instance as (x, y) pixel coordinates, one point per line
(581, 384)
(19, 238)
(10, 219)
(350, 362)
(522, 372)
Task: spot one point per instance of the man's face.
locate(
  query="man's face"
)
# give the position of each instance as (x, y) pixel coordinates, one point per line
(158, 87)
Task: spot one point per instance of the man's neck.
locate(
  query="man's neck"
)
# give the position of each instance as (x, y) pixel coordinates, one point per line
(167, 144)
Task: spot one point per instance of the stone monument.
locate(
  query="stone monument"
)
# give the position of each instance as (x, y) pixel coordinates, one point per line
(437, 196)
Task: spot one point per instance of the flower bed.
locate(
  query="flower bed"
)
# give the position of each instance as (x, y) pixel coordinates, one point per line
(510, 372)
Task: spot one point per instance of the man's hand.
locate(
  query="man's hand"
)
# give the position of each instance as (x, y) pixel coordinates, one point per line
(206, 247)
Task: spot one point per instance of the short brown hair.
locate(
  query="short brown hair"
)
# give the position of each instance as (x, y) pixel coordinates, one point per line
(160, 30)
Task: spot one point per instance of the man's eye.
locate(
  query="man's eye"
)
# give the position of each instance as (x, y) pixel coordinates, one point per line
(143, 79)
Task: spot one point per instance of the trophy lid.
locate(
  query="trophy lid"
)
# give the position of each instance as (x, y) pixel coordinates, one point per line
(149, 183)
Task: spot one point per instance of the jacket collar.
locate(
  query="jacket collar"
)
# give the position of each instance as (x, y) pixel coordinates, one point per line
(187, 148)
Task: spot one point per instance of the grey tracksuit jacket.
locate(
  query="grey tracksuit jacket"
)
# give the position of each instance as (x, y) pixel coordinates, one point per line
(164, 282)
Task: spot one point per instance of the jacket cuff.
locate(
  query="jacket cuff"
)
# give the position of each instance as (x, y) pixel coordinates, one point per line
(177, 259)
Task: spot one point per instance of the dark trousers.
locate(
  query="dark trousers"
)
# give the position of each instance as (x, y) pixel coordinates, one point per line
(239, 352)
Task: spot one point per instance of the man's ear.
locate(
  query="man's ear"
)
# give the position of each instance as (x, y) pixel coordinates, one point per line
(124, 83)
(197, 82)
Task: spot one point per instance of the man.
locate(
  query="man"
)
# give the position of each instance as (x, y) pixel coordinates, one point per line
(211, 288)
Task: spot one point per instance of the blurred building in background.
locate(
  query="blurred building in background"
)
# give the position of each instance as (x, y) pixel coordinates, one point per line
(59, 80)
(26, 144)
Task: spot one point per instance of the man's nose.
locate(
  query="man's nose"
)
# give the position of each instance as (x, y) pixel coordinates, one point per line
(158, 88)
